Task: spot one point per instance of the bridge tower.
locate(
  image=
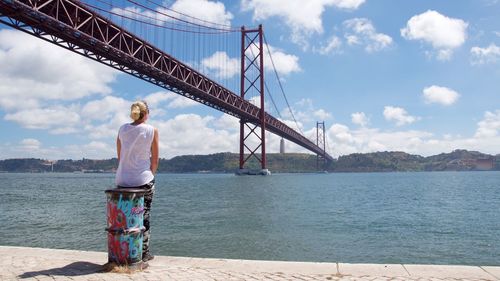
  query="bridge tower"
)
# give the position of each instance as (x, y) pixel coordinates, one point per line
(252, 80)
(321, 143)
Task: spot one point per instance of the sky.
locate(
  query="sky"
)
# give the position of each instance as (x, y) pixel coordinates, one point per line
(421, 77)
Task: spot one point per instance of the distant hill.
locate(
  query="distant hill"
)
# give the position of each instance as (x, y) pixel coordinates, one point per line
(393, 161)
(458, 160)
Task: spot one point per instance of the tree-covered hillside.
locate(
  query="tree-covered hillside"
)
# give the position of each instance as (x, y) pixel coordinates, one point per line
(458, 160)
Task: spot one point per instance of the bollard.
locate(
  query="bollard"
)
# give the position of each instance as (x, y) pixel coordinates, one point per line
(125, 226)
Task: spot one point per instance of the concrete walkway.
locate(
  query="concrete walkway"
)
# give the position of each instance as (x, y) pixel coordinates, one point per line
(20, 263)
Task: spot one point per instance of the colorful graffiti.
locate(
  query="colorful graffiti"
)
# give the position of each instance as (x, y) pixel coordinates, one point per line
(125, 211)
(125, 248)
(125, 225)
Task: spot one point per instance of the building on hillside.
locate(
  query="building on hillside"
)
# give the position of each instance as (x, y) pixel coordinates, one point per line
(485, 164)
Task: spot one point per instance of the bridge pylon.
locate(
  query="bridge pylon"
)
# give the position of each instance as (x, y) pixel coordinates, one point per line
(252, 80)
(321, 160)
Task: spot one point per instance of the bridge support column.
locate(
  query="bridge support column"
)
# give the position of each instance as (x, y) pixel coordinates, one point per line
(321, 143)
(252, 82)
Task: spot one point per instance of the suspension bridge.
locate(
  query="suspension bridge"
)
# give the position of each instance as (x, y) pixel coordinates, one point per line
(205, 61)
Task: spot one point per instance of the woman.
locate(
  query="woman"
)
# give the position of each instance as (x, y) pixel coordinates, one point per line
(137, 148)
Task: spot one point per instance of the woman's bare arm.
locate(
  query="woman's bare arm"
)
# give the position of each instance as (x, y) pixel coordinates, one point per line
(155, 152)
(118, 148)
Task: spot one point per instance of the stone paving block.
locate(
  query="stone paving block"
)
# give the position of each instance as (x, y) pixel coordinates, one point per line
(266, 266)
(448, 271)
(493, 270)
(393, 270)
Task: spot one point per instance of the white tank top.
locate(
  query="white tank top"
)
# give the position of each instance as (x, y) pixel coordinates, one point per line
(134, 168)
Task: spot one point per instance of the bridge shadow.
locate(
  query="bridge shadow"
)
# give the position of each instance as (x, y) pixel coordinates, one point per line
(73, 269)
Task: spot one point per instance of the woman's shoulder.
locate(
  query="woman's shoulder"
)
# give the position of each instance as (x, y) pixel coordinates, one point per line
(123, 127)
(148, 127)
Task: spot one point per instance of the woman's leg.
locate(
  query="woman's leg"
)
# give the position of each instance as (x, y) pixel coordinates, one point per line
(148, 200)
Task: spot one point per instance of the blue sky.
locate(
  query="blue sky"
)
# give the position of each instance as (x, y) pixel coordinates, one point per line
(386, 75)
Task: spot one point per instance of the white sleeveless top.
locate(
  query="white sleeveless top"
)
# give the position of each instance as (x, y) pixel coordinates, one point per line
(134, 168)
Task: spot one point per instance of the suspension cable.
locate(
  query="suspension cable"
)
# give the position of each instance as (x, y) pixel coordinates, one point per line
(153, 24)
(272, 100)
(141, 15)
(189, 16)
(328, 145)
(281, 86)
(182, 20)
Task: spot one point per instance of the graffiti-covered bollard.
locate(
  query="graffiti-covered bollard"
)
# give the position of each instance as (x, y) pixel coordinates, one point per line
(125, 217)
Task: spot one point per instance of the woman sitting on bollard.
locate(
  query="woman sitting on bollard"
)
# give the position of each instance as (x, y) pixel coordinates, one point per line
(137, 148)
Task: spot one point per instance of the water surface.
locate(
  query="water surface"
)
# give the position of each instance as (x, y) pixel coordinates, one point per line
(427, 217)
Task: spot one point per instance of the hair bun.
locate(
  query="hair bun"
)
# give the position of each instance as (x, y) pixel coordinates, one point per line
(135, 112)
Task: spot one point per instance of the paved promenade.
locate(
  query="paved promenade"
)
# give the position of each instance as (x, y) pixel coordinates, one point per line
(20, 263)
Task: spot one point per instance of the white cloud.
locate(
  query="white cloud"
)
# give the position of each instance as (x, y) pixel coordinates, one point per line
(305, 111)
(489, 54)
(40, 72)
(441, 95)
(360, 31)
(303, 18)
(42, 78)
(322, 114)
(332, 46)
(489, 126)
(210, 11)
(105, 108)
(155, 99)
(444, 55)
(64, 130)
(46, 118)
(399, 115)
(344, 140)
(443, 33)
(193, 134)
(364, 140)
(360, 118)
(347, 4)
(357, 32)
(31, 144)
(227, 122)
(33, 148)
(341, 133)
(182, 102)
(171, 99)
(224, 66)
(285, 63)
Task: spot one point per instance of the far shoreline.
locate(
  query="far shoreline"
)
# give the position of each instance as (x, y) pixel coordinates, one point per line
(228, 163)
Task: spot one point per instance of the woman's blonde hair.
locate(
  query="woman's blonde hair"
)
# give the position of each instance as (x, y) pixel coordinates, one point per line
(138, 109)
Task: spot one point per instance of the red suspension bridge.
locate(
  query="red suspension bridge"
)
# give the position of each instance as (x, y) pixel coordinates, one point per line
(91, 29)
